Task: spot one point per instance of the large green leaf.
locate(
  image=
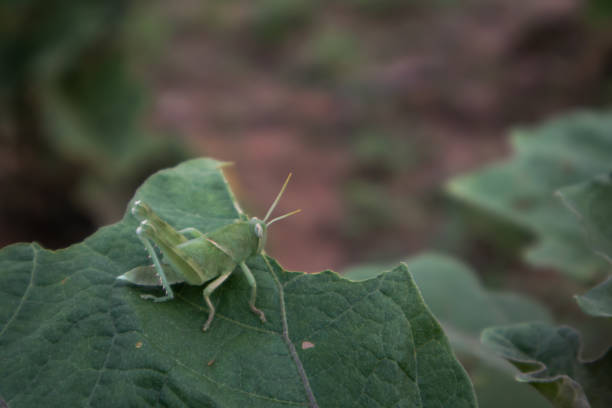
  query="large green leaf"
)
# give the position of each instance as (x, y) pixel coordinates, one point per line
(549, 360)
(591, 202)
(464, 308)
(71, 335)
(559, 153)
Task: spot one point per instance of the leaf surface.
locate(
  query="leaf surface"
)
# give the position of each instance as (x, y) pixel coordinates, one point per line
(72, 335)
(549, 359)
(464, 308)
(559, 153)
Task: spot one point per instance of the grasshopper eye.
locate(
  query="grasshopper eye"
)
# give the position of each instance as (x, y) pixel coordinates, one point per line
(258, 230)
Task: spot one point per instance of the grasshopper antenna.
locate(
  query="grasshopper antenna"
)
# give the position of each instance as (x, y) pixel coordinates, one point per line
(283, 216)
(276, 200)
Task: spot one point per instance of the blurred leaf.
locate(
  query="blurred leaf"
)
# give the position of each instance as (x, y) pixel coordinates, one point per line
(464, 308)
(599, 10)
(598, 301)
(590, 202)
(70, 335)
(97, 119)
(559, 153)
(378, 154)
(371, 208)
(549, 360)
(71, 105)
(444, 280)
(364, 272)
(547, 356)
(42, 39)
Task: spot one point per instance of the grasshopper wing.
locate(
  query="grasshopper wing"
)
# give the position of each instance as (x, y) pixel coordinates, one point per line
(146, 276)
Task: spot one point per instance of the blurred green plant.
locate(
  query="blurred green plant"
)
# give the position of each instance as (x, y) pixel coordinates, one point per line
(599, 9)
(370, 208)
(329, 54)
(378, 155)
(390, 8)
(550, 358)
(379, 7)
(374, 198)
(273, 21)
(559, 153)
(72, 106)
(471, 234)
(590, 202)
(565, 156)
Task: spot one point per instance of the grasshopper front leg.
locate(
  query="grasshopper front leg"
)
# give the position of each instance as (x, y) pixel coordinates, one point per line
(253, 284)
(144, 229)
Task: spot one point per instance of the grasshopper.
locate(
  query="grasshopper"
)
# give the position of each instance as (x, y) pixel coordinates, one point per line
(193, 257)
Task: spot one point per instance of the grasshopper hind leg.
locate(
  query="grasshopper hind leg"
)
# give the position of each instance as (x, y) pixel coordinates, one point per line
(191, 233)
(144, 228)
(208, 290)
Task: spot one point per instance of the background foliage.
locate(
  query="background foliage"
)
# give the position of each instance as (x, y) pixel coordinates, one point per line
(375, 106)
(71, 104)
(550, 358)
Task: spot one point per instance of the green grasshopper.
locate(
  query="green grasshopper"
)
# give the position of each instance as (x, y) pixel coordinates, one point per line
(195, 258)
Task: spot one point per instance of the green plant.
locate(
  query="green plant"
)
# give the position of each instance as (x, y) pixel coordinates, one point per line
(464, 308)
(71, 335)
(558, 153)
(566, 155)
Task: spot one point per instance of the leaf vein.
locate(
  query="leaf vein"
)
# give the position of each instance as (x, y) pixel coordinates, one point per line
(25, 293)
(347, 310)
(103, 368)
(292, 351)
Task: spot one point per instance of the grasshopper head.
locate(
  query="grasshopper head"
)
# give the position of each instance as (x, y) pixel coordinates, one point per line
(261, 232)
(261, 226)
